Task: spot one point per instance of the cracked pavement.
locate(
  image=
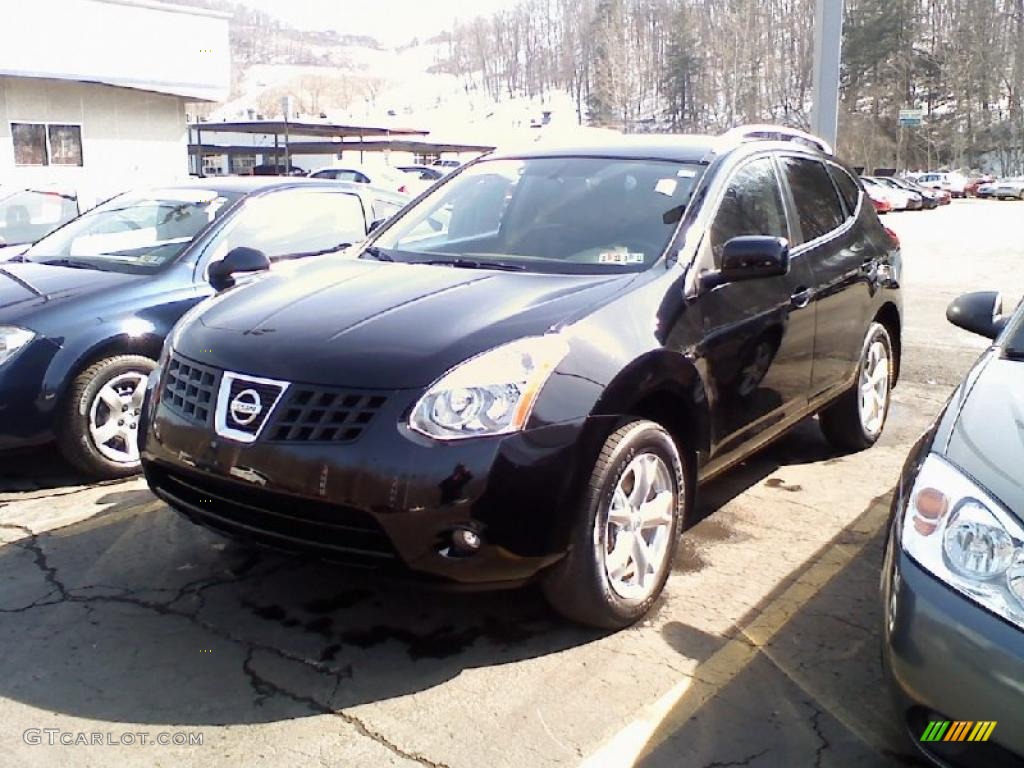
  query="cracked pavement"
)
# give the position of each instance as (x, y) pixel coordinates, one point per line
(118, 616)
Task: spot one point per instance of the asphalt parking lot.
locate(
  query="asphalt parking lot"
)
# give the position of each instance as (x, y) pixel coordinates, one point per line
(118, 617)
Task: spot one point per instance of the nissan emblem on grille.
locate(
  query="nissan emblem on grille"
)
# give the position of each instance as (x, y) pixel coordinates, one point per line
(244, 405)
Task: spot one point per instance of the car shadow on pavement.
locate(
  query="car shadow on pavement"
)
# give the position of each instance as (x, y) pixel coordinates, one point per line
(37, 469)
(141, 617)
(798, 680)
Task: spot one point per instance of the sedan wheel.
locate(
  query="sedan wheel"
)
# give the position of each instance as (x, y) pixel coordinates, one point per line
(99, 427)
(114, 417)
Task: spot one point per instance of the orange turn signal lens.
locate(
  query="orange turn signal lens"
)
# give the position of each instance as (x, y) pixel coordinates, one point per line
(930, 506)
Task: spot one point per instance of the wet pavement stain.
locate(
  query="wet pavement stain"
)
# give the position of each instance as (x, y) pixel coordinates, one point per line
(688, 559)
(269, 612)
(341, 600)
(321, 626)
(778, 482)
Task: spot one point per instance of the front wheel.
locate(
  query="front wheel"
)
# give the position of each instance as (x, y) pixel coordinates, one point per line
(100, 420)
(855, 421)
(626, 533)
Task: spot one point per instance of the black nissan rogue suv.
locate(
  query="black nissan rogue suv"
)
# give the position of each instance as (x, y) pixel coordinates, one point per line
(528, 371)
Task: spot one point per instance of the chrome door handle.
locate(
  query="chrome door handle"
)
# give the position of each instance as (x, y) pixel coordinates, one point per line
(801, 298)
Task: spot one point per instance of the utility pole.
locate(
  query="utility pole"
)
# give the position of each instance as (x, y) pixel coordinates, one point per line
(828, 47)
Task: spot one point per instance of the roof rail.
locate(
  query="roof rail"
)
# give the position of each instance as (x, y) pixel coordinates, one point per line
(766, 132)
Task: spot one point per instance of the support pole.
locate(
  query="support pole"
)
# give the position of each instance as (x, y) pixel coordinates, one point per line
(828, 44)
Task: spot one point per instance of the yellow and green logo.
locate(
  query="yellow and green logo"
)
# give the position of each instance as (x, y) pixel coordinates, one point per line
(959, 730)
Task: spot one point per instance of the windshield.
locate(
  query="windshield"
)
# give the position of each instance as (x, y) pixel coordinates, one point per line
(135, 233)
(563, 214)
(30, 214)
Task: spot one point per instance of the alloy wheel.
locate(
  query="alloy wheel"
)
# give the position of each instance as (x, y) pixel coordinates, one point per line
(114, 417)
(874, 388)
(638, 527)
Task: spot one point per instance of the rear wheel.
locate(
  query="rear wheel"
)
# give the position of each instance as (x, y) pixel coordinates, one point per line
(627, 530)
(99, 425)
(855, 421)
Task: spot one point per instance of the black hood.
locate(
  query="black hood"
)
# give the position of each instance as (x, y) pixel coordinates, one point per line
(987, 440)
(381, 325)
(26, 287)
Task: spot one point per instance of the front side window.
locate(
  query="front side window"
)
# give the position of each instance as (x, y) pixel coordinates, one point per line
(290, 223)
(29, 144)
(816, 199)
(751, 205)
(134, 233)
(553, 214)
(29, 215)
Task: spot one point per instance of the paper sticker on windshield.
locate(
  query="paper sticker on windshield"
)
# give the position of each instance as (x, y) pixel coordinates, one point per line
(666, 187)
(686, 173)
(620, 257)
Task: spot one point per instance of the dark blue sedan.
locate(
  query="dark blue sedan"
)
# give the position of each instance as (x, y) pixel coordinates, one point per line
(953, 580)
(83, 314)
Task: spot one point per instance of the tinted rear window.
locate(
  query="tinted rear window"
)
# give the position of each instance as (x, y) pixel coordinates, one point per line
(847, 188)
(817, 202)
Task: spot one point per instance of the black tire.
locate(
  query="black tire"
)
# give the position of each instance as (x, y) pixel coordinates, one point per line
(578, 587)
(841, 421)
(73, 434)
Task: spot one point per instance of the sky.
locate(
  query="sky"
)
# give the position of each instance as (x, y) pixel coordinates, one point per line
(392, 22)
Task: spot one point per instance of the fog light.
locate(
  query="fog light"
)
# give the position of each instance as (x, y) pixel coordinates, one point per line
(465, 542)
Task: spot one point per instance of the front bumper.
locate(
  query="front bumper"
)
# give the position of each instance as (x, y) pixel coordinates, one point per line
(949, 659)
(391, 499)
(26, 410)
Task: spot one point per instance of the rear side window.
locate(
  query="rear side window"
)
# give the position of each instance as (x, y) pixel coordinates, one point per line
(752, 205)
(847, 188)
(817, 202)
(384, 209)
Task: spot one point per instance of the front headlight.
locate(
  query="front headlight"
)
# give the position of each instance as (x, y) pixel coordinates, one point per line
(963, 537)
(490, 394)
(12, 339)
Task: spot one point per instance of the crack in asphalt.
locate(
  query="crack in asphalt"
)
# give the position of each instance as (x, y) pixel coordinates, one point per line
(816, 725)
(735, 763)
(262, 688)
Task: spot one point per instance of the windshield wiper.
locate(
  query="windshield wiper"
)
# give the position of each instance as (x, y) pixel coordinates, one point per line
(73, 263)
(321, 252)
(377, 253)
(475, 264)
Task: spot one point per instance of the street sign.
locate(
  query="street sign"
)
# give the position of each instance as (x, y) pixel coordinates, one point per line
(911, 118)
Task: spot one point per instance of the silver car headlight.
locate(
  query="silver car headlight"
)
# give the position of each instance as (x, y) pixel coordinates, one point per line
(962, 536)
(490, 394)
(13, 339)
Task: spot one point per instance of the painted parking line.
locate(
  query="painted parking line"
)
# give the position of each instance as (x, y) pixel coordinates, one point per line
(661, 719)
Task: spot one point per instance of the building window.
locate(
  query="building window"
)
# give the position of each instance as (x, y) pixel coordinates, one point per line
(29, 143)
(42, 144)
(65, 144)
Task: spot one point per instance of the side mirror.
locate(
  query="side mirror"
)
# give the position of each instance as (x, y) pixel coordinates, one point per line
(980, 313)
(375, 225)
(750, 258)
(222, 273)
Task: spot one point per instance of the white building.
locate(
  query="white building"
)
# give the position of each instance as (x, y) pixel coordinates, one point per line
(96, 90)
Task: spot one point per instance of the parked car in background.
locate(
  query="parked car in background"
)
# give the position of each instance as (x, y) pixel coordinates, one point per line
(986, 190)
(930, 198)
(422, 172)
(28, 214)
(381, 176)
(971, 189)
(270, 169)
(447, 165)
(910, 199)
(953, 573)
(879, 196)
(954, 183)
(898, 199)
(84, 314)
(1008, 189)
(464, 401)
